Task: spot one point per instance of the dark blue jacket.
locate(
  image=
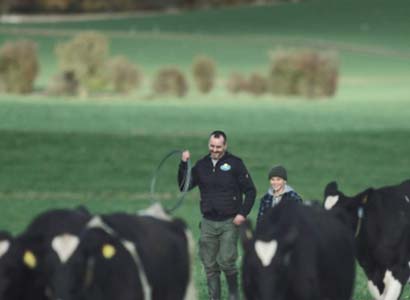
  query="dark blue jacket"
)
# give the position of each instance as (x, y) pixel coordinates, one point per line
(267, 201)
(226, 189)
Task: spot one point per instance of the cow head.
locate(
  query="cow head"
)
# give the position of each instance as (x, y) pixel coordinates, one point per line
(333, 198)
(25, 269)
(92, 271)
(33, 260)
(266, 261)
(348, 209)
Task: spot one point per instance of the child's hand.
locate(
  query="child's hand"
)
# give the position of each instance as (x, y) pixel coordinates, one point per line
(238, 220)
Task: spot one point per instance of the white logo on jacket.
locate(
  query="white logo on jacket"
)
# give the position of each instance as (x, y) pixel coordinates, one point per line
(225, 167)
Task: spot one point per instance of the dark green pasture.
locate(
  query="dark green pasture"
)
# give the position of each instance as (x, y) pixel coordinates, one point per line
(84, 157)
(102, 151)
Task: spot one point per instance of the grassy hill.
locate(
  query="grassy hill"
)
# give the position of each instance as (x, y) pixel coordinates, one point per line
(359, 21)
(59, 152)
(371, 36)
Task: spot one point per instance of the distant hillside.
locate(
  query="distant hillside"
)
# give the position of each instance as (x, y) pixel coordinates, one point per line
(371, 21)
(371, 36)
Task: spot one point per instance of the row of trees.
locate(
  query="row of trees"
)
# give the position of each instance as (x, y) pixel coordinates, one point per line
(27, 6)
(86, 68)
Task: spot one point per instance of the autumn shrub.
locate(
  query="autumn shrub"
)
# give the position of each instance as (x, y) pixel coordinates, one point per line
(64, 83)
(170, 81)
(236, 83)
(308, 73)
(123, 75)
(19, 66)
(257, 84)
(204, 73)
(85, 55)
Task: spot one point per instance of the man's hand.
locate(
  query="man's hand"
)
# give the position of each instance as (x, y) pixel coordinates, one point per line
(238, 220)
(185, 156)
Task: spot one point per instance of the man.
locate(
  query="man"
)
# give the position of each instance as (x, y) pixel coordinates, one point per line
(227, 196)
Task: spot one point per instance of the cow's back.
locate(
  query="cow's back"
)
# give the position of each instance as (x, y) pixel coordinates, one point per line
(162, 247)
(385, 225)
(333, 253)
(322, 262)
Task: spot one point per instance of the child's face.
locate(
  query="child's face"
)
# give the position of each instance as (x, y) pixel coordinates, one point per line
(277, 183)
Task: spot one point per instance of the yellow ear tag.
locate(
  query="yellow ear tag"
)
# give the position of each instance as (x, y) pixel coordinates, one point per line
(108, 251)
(30, 259)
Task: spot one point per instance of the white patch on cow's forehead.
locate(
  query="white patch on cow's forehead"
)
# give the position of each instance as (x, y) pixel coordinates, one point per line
(407, 198)
(331, 201)
(393, 287)
(97, 222)
(374, 290)
(266, 251)
(64, 245)
(4, 247)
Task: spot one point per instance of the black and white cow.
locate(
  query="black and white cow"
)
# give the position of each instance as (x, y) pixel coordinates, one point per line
(35, 254)
(6, 242)
(129, 257)
(298, 252)
(380, 220)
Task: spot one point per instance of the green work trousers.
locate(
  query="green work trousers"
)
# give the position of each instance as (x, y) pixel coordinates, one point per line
(218, 247)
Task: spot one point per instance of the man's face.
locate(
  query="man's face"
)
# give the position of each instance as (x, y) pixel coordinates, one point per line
(217, 147)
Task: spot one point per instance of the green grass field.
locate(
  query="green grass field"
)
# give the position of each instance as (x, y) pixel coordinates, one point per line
(102, 151)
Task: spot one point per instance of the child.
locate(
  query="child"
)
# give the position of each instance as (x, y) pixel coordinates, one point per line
(278, 191)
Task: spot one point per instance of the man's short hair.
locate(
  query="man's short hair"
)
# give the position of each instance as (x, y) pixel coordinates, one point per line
(219, 133)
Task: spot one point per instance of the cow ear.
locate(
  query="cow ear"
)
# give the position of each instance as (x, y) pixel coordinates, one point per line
(246, 234)
(83, 210)
(331, 189)
(364, 196)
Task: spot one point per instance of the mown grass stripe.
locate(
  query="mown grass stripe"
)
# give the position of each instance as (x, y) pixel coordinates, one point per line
(286, 40)
(72, 195)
